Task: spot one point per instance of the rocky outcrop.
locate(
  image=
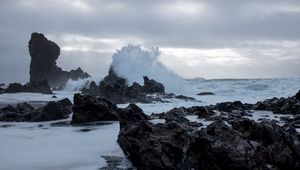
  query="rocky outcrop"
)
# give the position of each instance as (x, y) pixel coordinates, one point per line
(205, 93)
(289, 105)
(25, 112)
(131, 114)
(116, 89)
(44, 54)
(152, 86)
(34, 87)
(175, 145)
(179, 114)
(90, 109)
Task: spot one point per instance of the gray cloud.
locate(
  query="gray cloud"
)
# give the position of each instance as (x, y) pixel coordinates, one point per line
(267, 32)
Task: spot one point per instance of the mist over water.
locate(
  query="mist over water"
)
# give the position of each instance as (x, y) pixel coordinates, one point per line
(132, 62)
(76, 85)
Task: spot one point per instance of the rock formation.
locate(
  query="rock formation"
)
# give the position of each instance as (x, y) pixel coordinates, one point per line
(289, 105)
(34, 87)
(25, 112)
(44, 54)
(90, 109)
(178, 145)
(116, 89)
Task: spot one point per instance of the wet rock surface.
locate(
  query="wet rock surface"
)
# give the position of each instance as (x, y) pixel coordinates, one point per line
(176, 145)
(232, 141)
(116, 89)
(289, 105)
(34, 87)
(44, 54)
(24, 112)
(90, 109)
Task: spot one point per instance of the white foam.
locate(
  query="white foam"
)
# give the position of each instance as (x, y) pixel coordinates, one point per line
(133, 62)
(75, 85)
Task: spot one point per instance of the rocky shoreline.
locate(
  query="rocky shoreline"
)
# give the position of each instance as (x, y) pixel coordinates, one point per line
(230, 141)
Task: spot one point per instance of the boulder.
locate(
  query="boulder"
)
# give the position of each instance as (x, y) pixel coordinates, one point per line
(53, 111)
(25, 112)
(131, 114)
(154, 147)
(44, 54)
(90, 109)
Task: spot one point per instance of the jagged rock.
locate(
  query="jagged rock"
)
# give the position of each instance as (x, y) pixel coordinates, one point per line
(154, 147)
(200, 111)
(44, 54)
(278, 147)
(25, 112)
(116, 89)
(78, 74)
(113, 87)
(175, 145)
(24, 107)
(298, 95)
(131, 114)
(152, 86)
(205, 93)
(34, 87)
(289, 105)
(53, 111)
(90, 109)
(230, 106)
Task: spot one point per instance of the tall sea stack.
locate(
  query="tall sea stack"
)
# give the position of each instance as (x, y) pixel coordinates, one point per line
(44, 54)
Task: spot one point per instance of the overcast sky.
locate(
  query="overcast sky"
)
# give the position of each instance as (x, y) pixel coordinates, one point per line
(208, 38)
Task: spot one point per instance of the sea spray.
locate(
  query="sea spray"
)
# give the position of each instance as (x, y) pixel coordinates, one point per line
(133, 62)
(76, 85)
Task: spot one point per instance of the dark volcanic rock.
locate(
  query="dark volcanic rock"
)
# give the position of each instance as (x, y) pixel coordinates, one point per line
(152, 86)
(205, 93)
(131, 114)
(289, 105)
(116, 89)
(298, 95)
(25, 112)
(53, 111)
(246, 145)
(186, 98)
(44, 54)
(90, 109)
(154, 147)
(230, 106)
(34, 87)
(78, 74)
(200, 111)
(113, 88)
